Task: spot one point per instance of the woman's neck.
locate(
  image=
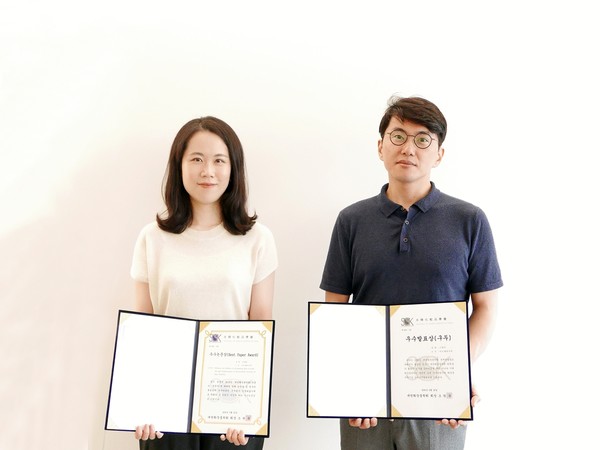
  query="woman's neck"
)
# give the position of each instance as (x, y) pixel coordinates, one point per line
(206, 217)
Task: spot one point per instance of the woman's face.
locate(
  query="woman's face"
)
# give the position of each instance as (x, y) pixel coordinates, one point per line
(205, 168)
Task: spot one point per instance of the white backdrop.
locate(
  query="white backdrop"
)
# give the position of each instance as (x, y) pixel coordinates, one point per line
(91, 96)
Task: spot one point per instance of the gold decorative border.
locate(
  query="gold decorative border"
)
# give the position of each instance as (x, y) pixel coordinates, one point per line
(312, 412)
(268, 325)
(124, 317)
(462, 306)
(466, 414)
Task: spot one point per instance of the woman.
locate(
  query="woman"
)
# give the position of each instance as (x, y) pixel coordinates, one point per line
(206, 257)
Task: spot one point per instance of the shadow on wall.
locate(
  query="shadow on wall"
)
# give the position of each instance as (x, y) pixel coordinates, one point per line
(63, 279)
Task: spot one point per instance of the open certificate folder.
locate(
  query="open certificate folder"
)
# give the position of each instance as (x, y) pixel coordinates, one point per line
(191, 376)
(402, 361)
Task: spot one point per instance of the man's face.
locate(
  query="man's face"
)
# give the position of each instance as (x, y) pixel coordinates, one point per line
(407, 163)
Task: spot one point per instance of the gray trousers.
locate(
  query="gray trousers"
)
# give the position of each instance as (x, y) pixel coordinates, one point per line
(402, 435)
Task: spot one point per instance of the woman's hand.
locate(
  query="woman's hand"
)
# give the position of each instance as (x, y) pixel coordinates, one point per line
(147, 431)
(236, 437)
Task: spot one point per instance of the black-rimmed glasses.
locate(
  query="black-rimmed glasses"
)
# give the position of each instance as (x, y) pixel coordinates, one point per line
(421, 140)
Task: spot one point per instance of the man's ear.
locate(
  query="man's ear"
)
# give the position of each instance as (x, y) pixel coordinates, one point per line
(440, 156)
(379, 147)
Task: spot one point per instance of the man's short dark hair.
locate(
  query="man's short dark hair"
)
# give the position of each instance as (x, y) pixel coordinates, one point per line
(417, 110)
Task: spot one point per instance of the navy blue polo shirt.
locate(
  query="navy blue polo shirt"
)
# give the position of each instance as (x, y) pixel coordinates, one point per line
(441, 249)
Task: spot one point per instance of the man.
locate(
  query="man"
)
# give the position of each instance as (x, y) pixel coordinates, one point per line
(410, 244)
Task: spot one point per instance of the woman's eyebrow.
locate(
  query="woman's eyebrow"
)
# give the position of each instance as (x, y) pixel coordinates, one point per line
(221, 155)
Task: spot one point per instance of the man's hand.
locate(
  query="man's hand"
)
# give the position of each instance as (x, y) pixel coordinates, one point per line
(453, 423)
(363, 424)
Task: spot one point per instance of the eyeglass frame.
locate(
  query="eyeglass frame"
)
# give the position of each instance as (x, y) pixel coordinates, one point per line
(414, 136)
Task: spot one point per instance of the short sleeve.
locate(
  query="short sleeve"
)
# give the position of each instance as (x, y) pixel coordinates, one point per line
(266, 260)
(484, 269)
(139, 264)
(337, 276)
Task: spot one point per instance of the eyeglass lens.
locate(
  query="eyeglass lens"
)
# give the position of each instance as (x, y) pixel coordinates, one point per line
(421, 140)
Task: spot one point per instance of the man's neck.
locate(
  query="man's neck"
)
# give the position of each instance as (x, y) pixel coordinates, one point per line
(407, 194)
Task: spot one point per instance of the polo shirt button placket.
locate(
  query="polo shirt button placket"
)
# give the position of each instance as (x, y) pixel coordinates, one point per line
(404, 243)
(404, 232)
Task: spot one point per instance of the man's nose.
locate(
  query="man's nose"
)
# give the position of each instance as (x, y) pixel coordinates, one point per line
(408, 148)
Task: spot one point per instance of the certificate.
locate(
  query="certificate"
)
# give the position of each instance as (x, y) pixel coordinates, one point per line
(400, 361)
(191, 376)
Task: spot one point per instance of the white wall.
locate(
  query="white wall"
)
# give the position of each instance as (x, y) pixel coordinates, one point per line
(91, 97)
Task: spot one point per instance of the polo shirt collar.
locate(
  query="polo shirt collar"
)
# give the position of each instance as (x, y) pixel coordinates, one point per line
(388, 207)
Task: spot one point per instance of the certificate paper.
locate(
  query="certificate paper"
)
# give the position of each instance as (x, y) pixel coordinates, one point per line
(232, 378)
(401, 361)
(191, 376)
